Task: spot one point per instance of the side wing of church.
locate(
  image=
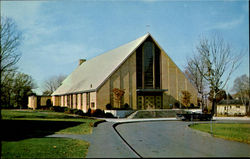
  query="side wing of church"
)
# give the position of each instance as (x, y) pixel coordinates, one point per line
(148, 76)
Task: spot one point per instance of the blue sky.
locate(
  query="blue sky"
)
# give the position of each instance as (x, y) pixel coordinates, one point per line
(58, 33)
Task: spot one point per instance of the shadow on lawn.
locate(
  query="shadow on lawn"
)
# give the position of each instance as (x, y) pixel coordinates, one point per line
(14, 130)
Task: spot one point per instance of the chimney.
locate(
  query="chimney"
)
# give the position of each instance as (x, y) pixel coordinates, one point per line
(81, 61)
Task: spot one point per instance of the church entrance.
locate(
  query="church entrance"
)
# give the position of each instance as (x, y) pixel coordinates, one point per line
(147, 101)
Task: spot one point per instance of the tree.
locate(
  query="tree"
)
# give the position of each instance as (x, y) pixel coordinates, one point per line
(186, 97)
(118, 94)
(219, 62)
(193, 74)
(52, 83)
(242, 89)
(23, 85)
(10, 41)
(16, 89)
(220, 96)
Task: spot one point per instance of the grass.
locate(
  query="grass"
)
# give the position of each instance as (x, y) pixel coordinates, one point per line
(45, 148)
(23, 134)
(234, 132)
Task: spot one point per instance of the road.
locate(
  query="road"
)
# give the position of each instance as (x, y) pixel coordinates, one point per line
(176, 139)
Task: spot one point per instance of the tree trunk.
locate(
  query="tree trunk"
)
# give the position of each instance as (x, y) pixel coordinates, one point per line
(214, 107)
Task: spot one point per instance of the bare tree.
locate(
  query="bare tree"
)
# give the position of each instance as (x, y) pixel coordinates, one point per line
(193, 74)
(10, 41)
(241, 87)
(52, 83)
(219, 62)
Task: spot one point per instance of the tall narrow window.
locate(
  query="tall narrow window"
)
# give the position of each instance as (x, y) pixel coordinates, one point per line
(148, 64)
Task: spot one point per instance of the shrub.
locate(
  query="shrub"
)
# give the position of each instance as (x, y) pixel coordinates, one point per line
(58, 109)
(108, 106)
(191, 105)
(74, 111)
(67, 110)
(79, 112)
(126, 106)
(98, 113)
(89, 112)
(176, 105)
(109, 115)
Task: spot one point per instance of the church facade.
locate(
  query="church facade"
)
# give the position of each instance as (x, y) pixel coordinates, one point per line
(141, 68)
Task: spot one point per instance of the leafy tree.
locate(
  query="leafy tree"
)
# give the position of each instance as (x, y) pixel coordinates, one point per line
(219, 62)
(16, 89)
(52, 83)
(118, 94)
(186, 97)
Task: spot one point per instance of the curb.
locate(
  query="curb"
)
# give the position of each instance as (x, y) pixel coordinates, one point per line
(99, 122)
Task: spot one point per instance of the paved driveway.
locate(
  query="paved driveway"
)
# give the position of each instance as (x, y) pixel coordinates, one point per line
(176, 139)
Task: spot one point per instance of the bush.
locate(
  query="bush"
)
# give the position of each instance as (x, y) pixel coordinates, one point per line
(89, 112)
(79, 112)
(108, 106)
(176, 105)
(98, 113)
(191, 105)
(74, 111)
(67, 110)
(109, 115)
(126, 106)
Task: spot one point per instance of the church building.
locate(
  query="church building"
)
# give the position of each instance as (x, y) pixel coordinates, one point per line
(141, 68)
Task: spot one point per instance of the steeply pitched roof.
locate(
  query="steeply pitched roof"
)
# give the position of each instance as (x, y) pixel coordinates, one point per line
(92, 73)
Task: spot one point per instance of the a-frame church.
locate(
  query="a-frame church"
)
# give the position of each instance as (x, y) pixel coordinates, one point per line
(150, 79)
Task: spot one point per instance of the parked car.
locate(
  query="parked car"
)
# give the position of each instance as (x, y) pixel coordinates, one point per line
(194, 115)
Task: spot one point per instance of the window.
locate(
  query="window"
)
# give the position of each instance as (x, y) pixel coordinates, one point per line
(237, 106)
(225, 108)
(148, 64)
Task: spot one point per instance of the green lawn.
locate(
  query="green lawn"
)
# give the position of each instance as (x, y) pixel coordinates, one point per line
(235, 132)
(45, 148)
(23, 134)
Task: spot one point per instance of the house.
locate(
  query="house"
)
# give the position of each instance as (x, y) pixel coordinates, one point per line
(148, 76)
(231, 107)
